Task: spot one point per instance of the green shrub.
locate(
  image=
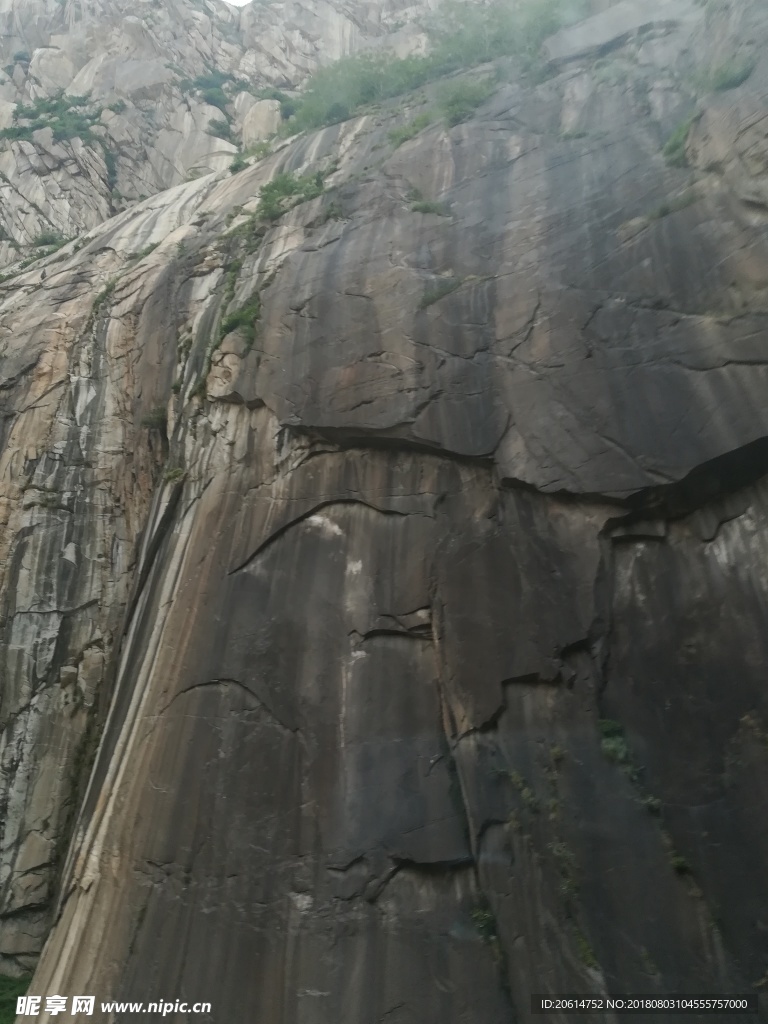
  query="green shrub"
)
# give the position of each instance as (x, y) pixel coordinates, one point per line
(427, 206)
(211, 80)
(60, 113)
(99, 300)
(118, 107)
(221, 128)
(238, 164)
(243, 319)
(614, 746)
(251, 232)
(674, 147)
(10, 990)
(287, 103)
(210, 87)
(110, 163)
(332, 212)
(460, 99)
(408, 131)
(71, 126)
(485, 922)
(652, 804)
(586, 953)
(615, 749)
(215, 98)
(50, 238)
(155, 419)
(609, 728)
(286, 186)
(135, 257)
(462, 35)
(259, 149)
(732, 73)
(465, 35)
(680, 864)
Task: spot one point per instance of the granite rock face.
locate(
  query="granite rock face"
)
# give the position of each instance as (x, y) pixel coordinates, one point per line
(417, 610)
(150, 95)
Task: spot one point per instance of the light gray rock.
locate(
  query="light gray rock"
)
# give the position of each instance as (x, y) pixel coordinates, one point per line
(261, 122)
(614, 26)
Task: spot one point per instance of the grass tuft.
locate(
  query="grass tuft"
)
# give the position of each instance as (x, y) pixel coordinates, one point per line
(409, 131)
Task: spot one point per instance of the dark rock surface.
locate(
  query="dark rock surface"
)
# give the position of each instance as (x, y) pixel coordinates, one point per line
(438, 678)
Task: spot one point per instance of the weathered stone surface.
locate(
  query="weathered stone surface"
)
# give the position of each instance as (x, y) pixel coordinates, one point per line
(262, 120)
(140, 70)
(421, 616)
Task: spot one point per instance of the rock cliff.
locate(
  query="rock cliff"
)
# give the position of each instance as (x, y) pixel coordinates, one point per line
(391, 515)
(106, 103)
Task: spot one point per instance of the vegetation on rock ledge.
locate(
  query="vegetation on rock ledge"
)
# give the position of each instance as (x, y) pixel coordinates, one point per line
(465, 36)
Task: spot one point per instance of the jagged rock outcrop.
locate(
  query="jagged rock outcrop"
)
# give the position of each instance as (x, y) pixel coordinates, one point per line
(149, 96)
(409, 547)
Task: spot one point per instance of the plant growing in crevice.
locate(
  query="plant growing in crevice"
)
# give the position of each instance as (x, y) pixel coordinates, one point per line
(60, 113)
(674, 205)
(397, 136)
(613, 743)
(461, 36)
(99, 300)
(210, 88)
(677, 862)
(557, 755)
(458, 100)
(529, 798)
(652, 804)
(250, 234)
(259, 150)
(565, 861)
(332, 212)
(427, 206)
(439, 291)
(585, 951)
(680, 865)
(732, 73)
(136, 257)
(243, 320)
(485, 922)
(286, 190)
(47, 238)
(674, 147)
(155, 419)
(220, 128)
